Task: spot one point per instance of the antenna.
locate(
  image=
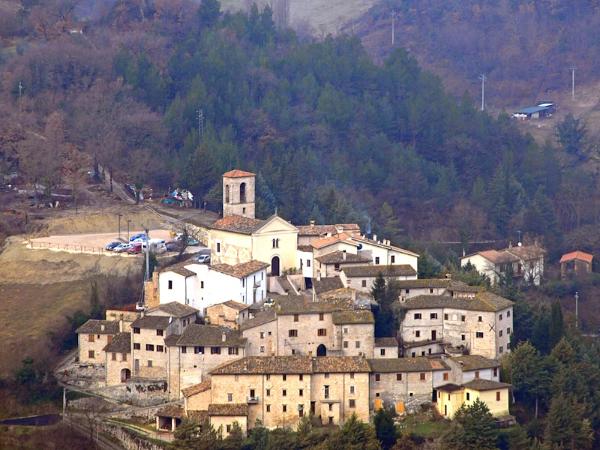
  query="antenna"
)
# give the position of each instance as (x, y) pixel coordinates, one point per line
(393, 27)
(482, 77)
(572, 69)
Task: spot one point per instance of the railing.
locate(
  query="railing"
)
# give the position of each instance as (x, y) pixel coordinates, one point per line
(252, 400)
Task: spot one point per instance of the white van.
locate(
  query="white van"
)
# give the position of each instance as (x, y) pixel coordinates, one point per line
(157, 246)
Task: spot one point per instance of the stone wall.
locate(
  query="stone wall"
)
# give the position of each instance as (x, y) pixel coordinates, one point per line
(138, 393)
(129, 439)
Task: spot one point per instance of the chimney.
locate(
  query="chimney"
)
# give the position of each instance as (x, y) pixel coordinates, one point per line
(121, 326)
(344, 255)
(312, 223)
(375, 237)
(319, 276)
(102, 327)
(223, 337)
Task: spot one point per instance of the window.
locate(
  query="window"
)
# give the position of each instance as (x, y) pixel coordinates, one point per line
(262, 348)
(232, 350)
(149, 363)
(159, 332)
(352, 389)
(463, 318)
(393, 259)
(160, 348)
(199, 350)
(330, 422)
(268, 392)
(218, 247)
(275, 243)
(479, 335)
(445, 376)
(293, 333)
(300, 410)
(377, 260)
(500, 317)
(215, 350)
(308, 263)
(422, 376)
(300, 377)
(296, 318)
(479, 319)
(423, 353)
(284, 408)
(382, 352)
(300, 392)
(413, 354)
(445, 316)
(507, 313)
(500, 333)
(508, 331)
(495, 371)
(418, 316)
(497, 396)
(229, 397)
(407, 291)
(322, 332)
(326, 375)
(284, 377)
(123, 356)
(90, 338)
(377, 377)
(336, 267)
(501, 349)
(345, 330)
(351, 403)
(345, 344)
(398, 377)
(363, 283)
(136, 330)
(268, 408)
(433, 316)
(228, 428)
(321, 316)
(268, 377)
(462, 337)
(149, 347)
(357, 344)
(352, 376)
(202, 284)
(170, 284)
(468, 396)
(262, 334)
(91, 354)
(431, 290)
(477, 374)
(136, 346)
(418, 333)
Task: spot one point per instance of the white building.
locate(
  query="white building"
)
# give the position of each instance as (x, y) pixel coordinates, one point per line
(384, 253)
(361, 277)
(201, 285)
(525, 262)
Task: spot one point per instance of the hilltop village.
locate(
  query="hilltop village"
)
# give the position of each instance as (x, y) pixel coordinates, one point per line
(280, 324)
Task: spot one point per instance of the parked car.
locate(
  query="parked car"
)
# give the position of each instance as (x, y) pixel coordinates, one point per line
(135, 237)
(122, 248)
(193, 242)
(112, 245)
(173, 246)
(135, 249)
(203, 259)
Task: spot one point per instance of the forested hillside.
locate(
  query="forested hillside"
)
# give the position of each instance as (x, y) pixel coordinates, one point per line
(525, 47)
(333, 136)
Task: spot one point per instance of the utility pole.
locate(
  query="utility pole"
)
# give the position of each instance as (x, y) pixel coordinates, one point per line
(20, 95)
(393, 27)
(200, 124)
(119, 219)
(482, 77)
(147, 254)
(64, 402)
(572, 69)
(576, 309)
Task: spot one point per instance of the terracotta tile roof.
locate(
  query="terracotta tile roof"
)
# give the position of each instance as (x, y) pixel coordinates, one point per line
(261, 318)
(418, 364)
(474, 362)
(449, 387)
(386, 342)
(424, 283)
(171, 340)
(94, 326)
(498, 257)
(240, 270)
(352, 317)
(511, 254)
(179, 269)
(412, 344)
(210, 335)
(234, 305)
(341, 257)
(327, 284)
(527, 252)
(121, 343)
(131, 307)
(577, 255)
(196, 388)
(151, 322)
(480, 384)
(238, 224)
(483, 301)
(174, 309)
(305, 248)
(236, 173)
(402, 270)
(292, 365)
(366, 240)
(228, 409)
(176, 411)
(321, 230)
(327, 241)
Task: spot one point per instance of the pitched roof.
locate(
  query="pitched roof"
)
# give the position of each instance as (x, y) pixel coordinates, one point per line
(449, 387)
(305, 248)
(228, 409)
(151, 322)
(577, 255)
(352, 317)
(210, 335)
(386, 342)
(424, 283)
(327, 284)
(511, 254)
(320, 230)
(474, 362)
(240, 270)
(482, 301)
(174, 309)
(130, 307)
(292, 365)
(171, 340)
(237, 173)
(298, 304)
(121, 343)
(94, 326)
(176, 411)
(259, 319)
(179, 269)
(479, 384)
(341, 257)
(327, 241)
(238, 224)
(417, 364)
(366, 240)
(196, 388)
(401, 270)
(235, 305)
(497, 257)
(527, 252)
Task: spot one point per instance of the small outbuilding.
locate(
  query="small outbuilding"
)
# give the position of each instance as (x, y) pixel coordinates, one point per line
(575, 263)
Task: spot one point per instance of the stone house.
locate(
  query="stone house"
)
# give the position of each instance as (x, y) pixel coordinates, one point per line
(92, 337)
(239, 188)
(260, 333)
(404, 383)
(331, 264)
(307, 234)
(480, 324)
(198, 350)
(434, 286)
(384, 253)
(126, 313)
(361, 277)
(280, 390)
(450, 397)
(117, 356)
(465, 368)
(575, 264)
(227, 314)
(523, 262)
(386, 347)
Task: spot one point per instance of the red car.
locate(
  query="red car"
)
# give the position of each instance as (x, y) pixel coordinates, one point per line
(136, 249)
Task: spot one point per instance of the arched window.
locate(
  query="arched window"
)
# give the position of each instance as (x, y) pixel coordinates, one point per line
(226, 193)
(243, 193)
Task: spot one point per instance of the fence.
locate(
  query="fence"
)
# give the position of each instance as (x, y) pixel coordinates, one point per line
(73, 248)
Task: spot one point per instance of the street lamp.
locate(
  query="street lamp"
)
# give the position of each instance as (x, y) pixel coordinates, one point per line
(119, 219)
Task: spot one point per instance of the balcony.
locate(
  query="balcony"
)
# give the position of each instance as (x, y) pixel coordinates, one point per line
(252, 400)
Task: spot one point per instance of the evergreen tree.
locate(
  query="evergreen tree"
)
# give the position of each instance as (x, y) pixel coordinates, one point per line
(529, 374)
(474, 428)
(385, 428)
(571, 133)
(209, 12)
(390, 224)
(566, 427)
(540, 216)
(354, 435)
(556, 330)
